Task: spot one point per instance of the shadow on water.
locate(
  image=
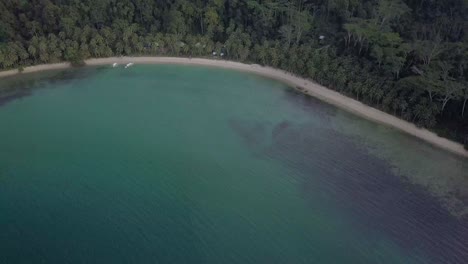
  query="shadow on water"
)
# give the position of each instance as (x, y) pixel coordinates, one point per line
(308, 104)
(339, 171)
(253, 134)
(22, 85)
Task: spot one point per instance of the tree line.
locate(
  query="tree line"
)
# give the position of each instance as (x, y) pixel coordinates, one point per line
(406, 57)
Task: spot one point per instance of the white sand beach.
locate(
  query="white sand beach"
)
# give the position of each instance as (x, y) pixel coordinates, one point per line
(309, 87)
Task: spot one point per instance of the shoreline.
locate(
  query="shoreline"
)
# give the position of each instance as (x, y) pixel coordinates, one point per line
(308, 87)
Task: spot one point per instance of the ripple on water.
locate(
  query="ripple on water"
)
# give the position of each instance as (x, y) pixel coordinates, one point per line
(343, 170)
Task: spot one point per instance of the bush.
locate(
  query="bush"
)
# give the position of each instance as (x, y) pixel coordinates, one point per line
(77, 62)
(21, 69)
(466, 143)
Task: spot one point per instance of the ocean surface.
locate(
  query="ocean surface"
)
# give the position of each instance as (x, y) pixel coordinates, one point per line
(181, 164)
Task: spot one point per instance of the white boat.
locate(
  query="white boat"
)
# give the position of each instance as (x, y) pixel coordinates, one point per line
(114, 65)
(128, 65)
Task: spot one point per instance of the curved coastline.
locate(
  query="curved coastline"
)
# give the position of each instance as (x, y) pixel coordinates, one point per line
(307, 87)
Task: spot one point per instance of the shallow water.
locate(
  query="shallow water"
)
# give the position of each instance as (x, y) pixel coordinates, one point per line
(179, 164)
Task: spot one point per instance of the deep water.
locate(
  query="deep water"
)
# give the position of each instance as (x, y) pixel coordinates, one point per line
(179, 164)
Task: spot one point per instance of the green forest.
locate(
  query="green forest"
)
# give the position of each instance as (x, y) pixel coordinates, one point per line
(405, 57)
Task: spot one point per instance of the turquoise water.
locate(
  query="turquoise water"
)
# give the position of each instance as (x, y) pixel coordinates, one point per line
(179, 164)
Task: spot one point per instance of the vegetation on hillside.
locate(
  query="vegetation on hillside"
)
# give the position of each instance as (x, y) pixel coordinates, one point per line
(406, 57)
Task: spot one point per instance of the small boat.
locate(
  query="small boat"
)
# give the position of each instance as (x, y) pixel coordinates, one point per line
(114, 65)
(128, 65)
